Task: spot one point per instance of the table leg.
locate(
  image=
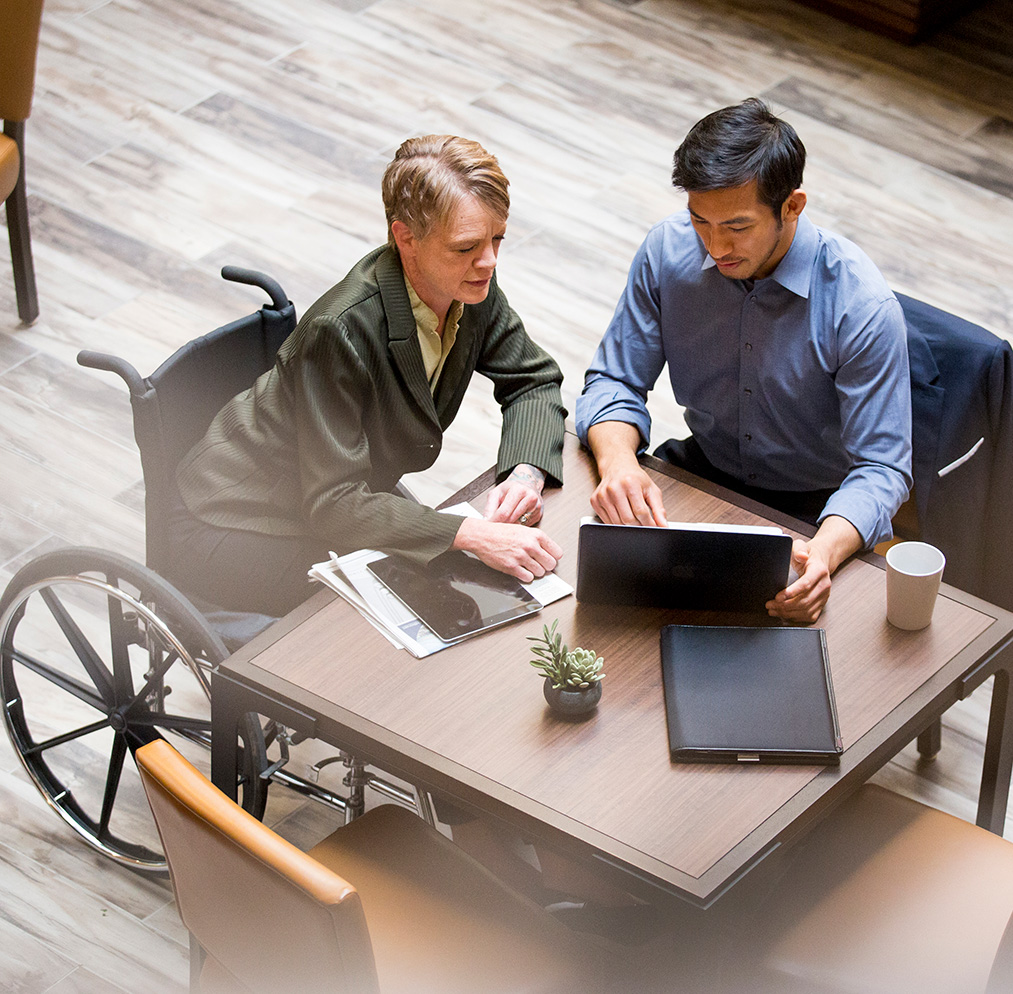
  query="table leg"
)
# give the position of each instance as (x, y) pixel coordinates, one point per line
(998, 764)
(931, 739)
(226, 712)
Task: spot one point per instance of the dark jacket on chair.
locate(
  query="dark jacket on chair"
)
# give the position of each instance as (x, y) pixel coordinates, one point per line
(962, 436)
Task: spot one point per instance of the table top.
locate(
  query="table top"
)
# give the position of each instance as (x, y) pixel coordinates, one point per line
(471, 722)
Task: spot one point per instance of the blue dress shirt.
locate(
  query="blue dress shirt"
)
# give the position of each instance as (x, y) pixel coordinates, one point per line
(799, 382)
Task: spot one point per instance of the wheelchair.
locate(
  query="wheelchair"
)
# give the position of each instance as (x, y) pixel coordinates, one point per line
(89, 639)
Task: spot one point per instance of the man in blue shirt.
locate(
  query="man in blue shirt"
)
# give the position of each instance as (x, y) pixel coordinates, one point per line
(783, 343)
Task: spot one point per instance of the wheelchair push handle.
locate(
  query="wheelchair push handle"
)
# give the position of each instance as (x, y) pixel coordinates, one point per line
(114, 364)
(235, 274)
(251, 277)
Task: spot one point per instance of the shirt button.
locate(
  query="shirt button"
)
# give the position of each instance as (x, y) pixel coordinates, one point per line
(748, 347)
(751, 476)
(748, 392)
(748, 437)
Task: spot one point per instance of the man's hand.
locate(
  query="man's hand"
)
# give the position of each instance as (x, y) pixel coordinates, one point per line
(522, 552)
(518, 497)
(803, 601)
(626, 495)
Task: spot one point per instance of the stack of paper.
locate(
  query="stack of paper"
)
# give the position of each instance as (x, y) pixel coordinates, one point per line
(349, 577)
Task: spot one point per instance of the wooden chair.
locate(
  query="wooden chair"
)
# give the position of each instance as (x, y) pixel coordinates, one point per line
(19, 41)
(887, 896)
(385, 903)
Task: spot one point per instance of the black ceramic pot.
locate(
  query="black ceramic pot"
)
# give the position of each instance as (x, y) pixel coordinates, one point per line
(570, 702)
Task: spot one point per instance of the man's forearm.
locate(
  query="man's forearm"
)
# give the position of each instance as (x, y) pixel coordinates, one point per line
(835, 540)
(613, 444)
(626, 494)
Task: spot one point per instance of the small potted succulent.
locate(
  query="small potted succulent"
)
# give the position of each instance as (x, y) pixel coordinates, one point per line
(572, 684)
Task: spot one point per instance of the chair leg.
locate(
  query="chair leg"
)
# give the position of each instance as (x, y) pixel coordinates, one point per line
(20, 234)
(196, 964)
(930, 741)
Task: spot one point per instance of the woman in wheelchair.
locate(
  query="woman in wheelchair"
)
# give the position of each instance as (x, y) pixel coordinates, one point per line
(309, 459)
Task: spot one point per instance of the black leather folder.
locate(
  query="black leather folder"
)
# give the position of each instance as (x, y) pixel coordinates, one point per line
(749, 695)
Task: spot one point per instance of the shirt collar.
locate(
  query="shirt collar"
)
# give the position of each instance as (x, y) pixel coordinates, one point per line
(794, 271)
(425, 317)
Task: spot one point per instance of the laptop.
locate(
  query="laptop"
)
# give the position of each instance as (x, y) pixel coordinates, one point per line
(691, 566)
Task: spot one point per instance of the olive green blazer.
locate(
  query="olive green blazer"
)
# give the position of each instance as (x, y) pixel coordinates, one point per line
(318, 443)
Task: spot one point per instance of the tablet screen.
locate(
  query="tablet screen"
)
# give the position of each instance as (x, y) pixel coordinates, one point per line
(455, 594)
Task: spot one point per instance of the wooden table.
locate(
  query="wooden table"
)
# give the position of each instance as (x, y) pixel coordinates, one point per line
(470, 721)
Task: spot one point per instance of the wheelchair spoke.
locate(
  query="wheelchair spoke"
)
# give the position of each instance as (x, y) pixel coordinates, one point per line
(107, 634)
(119, 750)
(61, 680)
(83, 649)
(38, 748)
(170, 722)
(122, 634)
(153, 681)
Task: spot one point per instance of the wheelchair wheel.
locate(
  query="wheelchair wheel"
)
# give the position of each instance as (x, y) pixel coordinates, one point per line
(89, 641)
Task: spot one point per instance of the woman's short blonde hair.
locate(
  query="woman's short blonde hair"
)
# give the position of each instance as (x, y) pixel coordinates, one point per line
(429, 176)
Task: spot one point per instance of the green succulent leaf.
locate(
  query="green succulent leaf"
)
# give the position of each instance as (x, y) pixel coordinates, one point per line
(575, 668)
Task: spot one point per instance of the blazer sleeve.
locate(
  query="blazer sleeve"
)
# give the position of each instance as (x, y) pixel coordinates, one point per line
(526, 383)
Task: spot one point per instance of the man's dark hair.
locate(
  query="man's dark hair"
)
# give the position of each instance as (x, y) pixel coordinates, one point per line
(738, 144)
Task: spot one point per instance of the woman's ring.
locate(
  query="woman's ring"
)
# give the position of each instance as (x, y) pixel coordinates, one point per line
(523, 519)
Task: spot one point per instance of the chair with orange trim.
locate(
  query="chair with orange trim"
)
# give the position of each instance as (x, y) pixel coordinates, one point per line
(19, 42)
(385, 903)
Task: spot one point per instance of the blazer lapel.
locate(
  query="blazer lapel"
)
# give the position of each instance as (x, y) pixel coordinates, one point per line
(457, 369)
(402, 335)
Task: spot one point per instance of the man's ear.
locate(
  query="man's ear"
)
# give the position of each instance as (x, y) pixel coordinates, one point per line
(793, 206)
(403, 238)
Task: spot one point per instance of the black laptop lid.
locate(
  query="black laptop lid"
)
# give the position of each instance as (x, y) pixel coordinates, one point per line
(692, 567)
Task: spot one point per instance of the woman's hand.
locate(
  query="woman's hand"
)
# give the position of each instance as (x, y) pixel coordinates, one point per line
(525, 553)
(518, 498)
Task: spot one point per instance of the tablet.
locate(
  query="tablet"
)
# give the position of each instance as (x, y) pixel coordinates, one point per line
(455, 595)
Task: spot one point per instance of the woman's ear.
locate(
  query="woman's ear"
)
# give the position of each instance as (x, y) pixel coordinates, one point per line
(403, 238)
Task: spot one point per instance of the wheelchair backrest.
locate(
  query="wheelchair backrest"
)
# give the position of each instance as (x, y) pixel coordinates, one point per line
(175, 404)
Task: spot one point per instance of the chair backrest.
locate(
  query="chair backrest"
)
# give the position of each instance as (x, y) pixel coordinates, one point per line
(175, 404)
(962, 434)
(268, 916)
(20, 21)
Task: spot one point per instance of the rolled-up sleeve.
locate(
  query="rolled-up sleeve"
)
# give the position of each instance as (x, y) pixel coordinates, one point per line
(874, 387)
(631, 356)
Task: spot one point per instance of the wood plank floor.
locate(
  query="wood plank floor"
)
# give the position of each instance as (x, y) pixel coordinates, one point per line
(170, 137)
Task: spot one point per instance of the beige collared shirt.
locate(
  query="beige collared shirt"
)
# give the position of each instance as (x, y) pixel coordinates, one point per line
(435, 348)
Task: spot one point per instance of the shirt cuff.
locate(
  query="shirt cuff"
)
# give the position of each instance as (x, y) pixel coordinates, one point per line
(587, 417)
(863, 511)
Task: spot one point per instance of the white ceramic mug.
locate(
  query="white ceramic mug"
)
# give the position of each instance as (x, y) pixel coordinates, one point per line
(913, 573)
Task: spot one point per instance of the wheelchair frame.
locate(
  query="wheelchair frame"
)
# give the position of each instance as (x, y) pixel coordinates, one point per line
(113, 672)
